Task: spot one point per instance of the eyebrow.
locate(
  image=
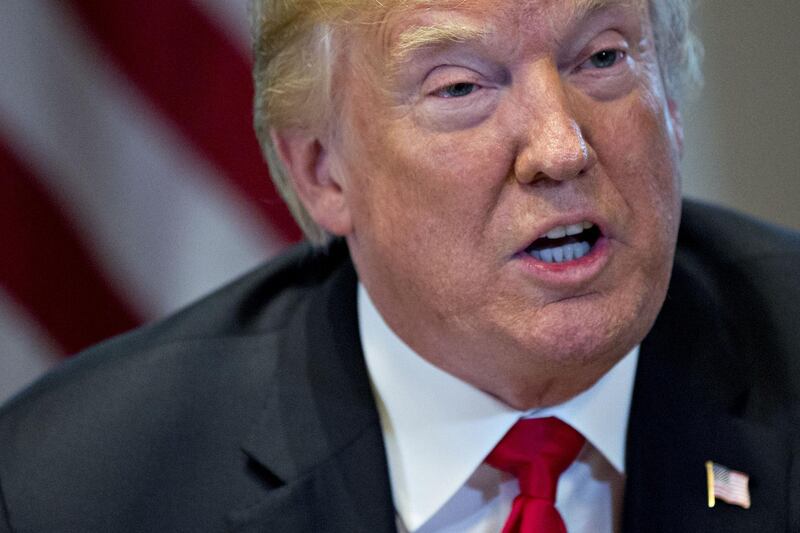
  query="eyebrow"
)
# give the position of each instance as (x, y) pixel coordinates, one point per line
(449, 32)
(587, 6)
(421, 37)
(584, 8)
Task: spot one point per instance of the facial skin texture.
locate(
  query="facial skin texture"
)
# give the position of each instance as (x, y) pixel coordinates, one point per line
(446, 166)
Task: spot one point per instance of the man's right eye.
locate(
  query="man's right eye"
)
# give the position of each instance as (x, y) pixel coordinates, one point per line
(457, 90)
(606, 58)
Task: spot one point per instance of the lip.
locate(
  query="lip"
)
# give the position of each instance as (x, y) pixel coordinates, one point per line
(570, 273)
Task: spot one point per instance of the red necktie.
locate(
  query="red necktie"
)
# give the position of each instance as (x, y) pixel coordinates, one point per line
(536, 451)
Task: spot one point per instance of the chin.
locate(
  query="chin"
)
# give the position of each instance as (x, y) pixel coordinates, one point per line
(592, 335)
(586, 352)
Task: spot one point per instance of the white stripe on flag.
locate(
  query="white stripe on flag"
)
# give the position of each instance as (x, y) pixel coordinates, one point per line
(731, 486)
(166, 227)
(25, 350)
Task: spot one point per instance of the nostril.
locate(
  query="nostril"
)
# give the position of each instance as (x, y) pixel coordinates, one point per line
(557, 151)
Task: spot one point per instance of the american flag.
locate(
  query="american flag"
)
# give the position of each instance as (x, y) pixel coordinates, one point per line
(130, 178)
(728, 485)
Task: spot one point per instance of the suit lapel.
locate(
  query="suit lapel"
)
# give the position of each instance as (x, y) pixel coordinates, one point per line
(319, 437)
(693, 395)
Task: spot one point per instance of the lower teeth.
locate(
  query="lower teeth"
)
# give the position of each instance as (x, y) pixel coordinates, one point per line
(562, 254)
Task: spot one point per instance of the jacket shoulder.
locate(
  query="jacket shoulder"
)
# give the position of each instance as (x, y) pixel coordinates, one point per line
(723, 236)
(158, 408)
(745, 272)
(256, 304)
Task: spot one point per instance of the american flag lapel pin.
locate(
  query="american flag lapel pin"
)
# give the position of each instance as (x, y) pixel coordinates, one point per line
(728, 485)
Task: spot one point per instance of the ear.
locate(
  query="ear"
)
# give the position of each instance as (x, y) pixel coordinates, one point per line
(308, 163)
(676, 124)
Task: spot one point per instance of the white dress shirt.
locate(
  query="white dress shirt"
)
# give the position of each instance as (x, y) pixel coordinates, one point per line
(438, 430)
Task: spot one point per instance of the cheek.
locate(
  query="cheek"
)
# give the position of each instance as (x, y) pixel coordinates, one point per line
(425, 210)
(642, 158)
(638, 157)
(661, 185)
(442, 187)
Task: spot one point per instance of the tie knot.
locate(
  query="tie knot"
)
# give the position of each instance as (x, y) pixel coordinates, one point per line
(536, 451)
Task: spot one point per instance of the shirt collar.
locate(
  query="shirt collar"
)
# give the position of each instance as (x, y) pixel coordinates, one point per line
(438, 429)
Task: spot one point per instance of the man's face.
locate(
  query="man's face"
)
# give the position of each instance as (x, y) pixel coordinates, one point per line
(472, 130)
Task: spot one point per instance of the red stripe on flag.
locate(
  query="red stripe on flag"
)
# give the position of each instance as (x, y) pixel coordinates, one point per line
(196, 77)
(46, 268)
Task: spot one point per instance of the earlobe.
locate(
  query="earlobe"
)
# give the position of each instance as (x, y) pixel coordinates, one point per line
(308, 164)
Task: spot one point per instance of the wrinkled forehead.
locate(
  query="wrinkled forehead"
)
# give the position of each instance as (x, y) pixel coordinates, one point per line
(400, 27)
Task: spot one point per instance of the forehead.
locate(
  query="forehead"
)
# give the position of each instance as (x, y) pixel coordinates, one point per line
(407, 25)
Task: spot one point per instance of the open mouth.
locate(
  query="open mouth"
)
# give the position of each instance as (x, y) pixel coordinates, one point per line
(565, 243)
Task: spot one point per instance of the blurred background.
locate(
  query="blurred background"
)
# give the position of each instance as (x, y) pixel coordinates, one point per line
(131, 182)
(743, 131)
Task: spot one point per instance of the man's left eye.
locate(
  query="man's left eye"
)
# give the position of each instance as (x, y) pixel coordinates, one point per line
(457, 90)
(606, 58)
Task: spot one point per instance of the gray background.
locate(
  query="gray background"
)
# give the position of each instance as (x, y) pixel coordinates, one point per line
(743, 130)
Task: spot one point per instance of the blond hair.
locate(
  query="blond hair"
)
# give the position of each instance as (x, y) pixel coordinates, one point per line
(295, 48)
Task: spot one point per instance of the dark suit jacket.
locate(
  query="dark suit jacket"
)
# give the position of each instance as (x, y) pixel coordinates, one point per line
(252, 410)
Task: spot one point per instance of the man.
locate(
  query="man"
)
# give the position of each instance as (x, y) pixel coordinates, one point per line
(503, 176)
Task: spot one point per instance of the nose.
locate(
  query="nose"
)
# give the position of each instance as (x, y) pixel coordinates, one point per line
(553, 145)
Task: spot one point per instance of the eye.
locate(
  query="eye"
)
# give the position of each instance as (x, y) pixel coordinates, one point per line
(457, 90)
(606, 58)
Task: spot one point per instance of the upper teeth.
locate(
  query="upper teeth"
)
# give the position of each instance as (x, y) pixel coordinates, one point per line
(571, 229)
(560, 254)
